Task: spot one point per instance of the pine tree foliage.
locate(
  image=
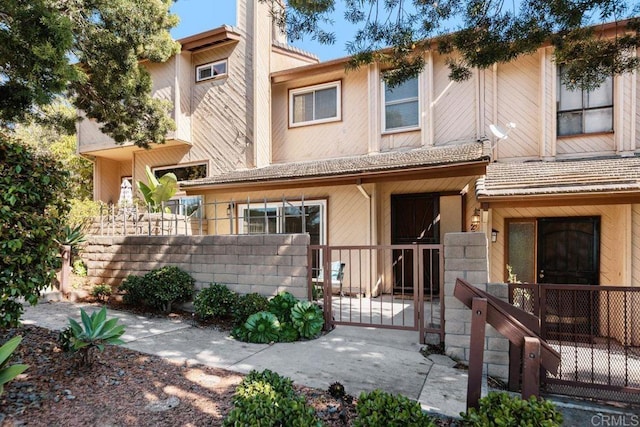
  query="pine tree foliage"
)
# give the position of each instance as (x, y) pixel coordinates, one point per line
(475, 33)
(92, 51)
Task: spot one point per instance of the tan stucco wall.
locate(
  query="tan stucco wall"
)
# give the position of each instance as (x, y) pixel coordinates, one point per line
(107, 189)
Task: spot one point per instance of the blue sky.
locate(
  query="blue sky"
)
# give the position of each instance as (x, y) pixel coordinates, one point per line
(201, 15)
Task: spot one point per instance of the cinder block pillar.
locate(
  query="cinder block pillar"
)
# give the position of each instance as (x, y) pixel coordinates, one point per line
(466, 257)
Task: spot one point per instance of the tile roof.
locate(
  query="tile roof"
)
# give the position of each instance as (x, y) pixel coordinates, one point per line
(349, 166)
(602, 175)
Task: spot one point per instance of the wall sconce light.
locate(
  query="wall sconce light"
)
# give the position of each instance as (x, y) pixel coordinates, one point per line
(475, 220)
(494, 235)
(230, 207)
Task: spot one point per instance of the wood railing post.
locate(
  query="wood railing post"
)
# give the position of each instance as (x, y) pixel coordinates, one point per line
(476, 350)
(515, 354)
(530, 367)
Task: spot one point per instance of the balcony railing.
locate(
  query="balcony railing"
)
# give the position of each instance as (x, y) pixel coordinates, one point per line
(191, 216)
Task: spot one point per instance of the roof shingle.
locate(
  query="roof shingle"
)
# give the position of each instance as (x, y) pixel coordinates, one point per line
(378, 162)
(602, 175)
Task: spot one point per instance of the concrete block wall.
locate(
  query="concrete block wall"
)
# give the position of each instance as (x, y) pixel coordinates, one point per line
(465, 257)
(267, 264)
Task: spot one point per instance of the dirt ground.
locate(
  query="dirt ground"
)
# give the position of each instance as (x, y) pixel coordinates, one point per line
(127, 388)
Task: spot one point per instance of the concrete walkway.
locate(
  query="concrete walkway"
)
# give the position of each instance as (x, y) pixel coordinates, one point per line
(362, 359)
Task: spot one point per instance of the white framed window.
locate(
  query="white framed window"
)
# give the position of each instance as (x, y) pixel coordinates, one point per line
(285, 217)
(315, 104)
(582, 111)
(401, 106)
(211, 70)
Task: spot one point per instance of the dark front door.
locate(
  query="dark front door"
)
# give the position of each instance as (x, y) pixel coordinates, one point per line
(569, 254)
(414, 220)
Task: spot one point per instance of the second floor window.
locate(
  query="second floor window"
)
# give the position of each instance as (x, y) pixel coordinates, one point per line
(211, 70)
(585, 111)
(314, 104)
(401, 106)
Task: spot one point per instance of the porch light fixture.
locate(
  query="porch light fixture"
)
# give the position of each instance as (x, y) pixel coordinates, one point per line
(230, 207)
(494, 235)
(475, 220)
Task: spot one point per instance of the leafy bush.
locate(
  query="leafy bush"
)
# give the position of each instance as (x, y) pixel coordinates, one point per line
(158, 288)
(159, 190)
(82, 212)
(268, 399)
(502, 409)
(288, 333)
(262, 328)
(95, 332)
(133, 288)
(65, 337)
(101, 292)
(246, 306)
(215, 301)
(33, 206)
(79, 268)
(7, 373)
(281, 385)
(281, 306)
(308, 319)
(379, 408)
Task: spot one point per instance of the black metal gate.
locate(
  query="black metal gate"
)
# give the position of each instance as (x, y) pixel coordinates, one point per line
(596, 330)
(370, 286)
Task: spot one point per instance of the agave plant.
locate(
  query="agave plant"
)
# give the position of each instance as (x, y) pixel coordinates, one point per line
(7, 373)
(307, 319)
(263, 327)
(281, 306)
(73, 237)
(96, 331)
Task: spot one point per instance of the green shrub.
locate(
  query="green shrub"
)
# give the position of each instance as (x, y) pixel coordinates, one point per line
(159, 190)
(262, 328)
(134, 290)
(215, 301)
(65, 338)
(79, 268)
(101, 292)
(379, 408)
(281, 385)
(246, 306)
(268, 399)
(281, 306)
(96, 331)
(82, 212)
(33, 207)
(308, 319)
(502, 409)
(7, 373)
(240, 333)
(159, 288)
(288, 333)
